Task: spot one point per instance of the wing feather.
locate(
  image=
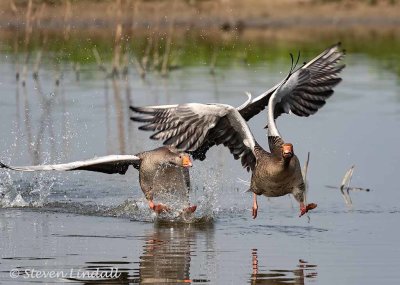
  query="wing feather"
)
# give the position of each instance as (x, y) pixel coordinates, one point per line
(313, 83)
(195, 128)
(107, 164)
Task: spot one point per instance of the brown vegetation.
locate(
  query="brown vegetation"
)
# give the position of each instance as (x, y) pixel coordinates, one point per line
(219, 14)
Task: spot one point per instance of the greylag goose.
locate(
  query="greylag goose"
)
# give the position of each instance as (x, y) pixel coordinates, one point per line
(160, 169)
(195, 127)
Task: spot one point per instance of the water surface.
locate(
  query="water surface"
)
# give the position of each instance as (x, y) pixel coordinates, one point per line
(84, 221)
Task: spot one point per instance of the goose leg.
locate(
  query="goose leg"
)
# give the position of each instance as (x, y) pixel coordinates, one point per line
(298, 194)
(158, 208)
(255, 206)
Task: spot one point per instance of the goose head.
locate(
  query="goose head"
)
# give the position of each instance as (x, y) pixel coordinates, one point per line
(181, 159)
(185, 160)
(287, 151)
(177, 158)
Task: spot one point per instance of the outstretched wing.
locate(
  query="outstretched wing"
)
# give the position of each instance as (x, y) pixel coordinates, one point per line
(196, 127)
(107, 164)
(304, 91)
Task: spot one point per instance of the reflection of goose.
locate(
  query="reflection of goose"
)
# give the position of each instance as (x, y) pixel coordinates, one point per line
(197, 127)
(167, 254)
(166, 257)
(276, 277)
(161, 168)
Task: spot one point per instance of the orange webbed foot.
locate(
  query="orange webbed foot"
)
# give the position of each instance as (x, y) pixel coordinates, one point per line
(158, 208)
(309, 207)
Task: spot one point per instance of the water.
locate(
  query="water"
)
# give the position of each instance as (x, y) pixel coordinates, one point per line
(76, 223)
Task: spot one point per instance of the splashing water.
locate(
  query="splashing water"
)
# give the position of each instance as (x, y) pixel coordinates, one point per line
(35, 194)
(19, 193)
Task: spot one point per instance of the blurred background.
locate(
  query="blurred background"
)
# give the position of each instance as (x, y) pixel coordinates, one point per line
(152, 35)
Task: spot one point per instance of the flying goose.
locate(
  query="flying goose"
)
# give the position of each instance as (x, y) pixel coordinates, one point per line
(196, 127)
(161, 169)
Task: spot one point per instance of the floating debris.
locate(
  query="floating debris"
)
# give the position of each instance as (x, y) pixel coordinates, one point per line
(345, 186)
(305, 170)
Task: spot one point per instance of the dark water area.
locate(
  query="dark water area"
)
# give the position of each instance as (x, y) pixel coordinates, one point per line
(80, 222)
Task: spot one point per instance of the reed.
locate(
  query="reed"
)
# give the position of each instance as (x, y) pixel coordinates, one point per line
(100, 64)
(156, 36)
(28, 33)
(77, 69)
(57, 75)
(140, 69)
(117, 40)
(168, 44)
(140, 65)
(15, 12)
(119, 111)
(167, 51)
(17, 117)
(134, 14)
(66, 35)
(13, 7)
(146, 56)
(39, 54)
(213, 60)
(305, 172)
(156, 53)
(36, 66)
(28, 126)
(67, 19)
(128, 97)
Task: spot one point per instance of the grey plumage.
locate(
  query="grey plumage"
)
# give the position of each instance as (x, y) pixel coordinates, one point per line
(158, 174)
(196, 127)
(106, 164)
(305, 90)
(159, 169)
(276, 176)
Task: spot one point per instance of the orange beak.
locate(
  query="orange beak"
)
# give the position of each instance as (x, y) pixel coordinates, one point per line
(186, 161)
(287, 150)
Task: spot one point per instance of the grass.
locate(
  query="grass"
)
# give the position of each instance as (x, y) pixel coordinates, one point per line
(197, 50)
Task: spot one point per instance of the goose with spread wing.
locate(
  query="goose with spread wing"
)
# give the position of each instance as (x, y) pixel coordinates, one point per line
(195, 127)
(161, 169)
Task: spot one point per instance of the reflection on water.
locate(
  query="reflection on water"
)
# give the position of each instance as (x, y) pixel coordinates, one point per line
(167, 254)
(166, 258)
(279, 276)
(119, 110)
(105, 272)
(132, 253)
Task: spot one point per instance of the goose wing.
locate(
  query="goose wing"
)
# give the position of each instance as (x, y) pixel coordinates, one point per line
(196, 127)
(107, 164)
(304, 91)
